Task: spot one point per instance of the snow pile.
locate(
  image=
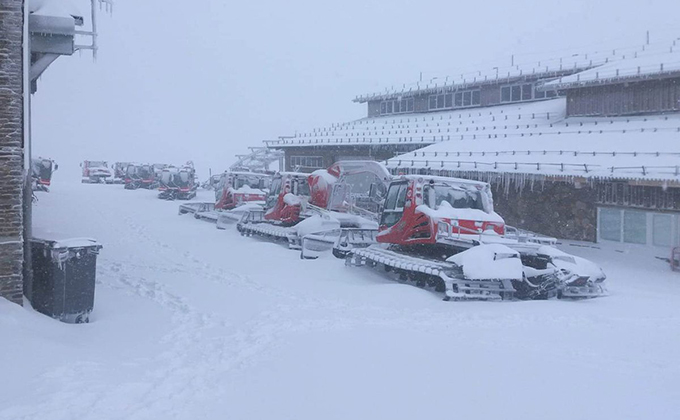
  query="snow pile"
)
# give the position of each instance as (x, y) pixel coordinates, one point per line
(292, 199)
(573, 263)
(446, 211)
(56, 8)
(191, 322)
(493, 261)
(324, 177)
(316, 224)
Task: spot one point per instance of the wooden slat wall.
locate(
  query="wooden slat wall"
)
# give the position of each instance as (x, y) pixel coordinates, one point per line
(647, 97)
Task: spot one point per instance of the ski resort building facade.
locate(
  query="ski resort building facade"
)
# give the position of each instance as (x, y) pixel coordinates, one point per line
(586, 150)
(54, 30)
(11, 149)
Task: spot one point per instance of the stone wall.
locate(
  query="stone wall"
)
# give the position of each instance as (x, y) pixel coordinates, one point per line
(558, 209)
(11, 149)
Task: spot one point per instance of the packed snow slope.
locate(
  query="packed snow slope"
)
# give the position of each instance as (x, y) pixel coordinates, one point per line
(195, 323)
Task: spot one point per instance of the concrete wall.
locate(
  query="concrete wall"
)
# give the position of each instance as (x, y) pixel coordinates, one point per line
(11, 149)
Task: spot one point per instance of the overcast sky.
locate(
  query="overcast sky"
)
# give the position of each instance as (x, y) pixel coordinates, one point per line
(203, 80)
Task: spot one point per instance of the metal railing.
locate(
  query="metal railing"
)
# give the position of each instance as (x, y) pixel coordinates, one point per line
(585, 168)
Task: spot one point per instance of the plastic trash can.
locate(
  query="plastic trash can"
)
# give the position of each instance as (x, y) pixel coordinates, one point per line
(64, 273)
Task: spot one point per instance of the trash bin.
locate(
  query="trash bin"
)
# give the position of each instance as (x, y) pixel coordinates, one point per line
(64, 273)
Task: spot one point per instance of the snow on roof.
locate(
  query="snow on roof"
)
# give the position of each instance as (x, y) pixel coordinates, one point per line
(642, 148)
(57, 8)
(552, 67)
(444, 179)
(427, 128)
(653, 61)
(244, 173)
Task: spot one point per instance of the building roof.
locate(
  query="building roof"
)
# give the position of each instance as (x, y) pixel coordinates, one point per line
(56, 8)
(640, 148)
(428, 128)
(555, 67)
(662, 60)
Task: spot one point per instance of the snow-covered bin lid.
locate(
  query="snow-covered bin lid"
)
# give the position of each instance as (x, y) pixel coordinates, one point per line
(56, 242)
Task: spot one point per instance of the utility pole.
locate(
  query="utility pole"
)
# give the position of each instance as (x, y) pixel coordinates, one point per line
(647, 37)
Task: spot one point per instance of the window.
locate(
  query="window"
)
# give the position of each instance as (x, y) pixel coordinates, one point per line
(467, 98)
(610, 224)
(476, 97)
(394, 203)
(524, 92)
(505, 94)
(456, 197)
(516, 93)
(662, 230)
(455, 100)
(312, 162)
(396, 106)
(634, 227)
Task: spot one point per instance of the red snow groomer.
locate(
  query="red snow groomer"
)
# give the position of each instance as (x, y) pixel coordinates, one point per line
(237, 193)
(119, 171)
(443, 233)
(139, 176)
(285, 204)
(350, 192)
(177, 183)
(238, 188)
(314, 212)
(95, 172)
(42, 170)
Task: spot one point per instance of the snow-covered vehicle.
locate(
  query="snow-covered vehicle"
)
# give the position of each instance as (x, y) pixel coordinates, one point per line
(157, 169)
(444, 233)
(96, 172)
(236, 194)
(350, 192)
(177, 183)
(212, 182)
(238, 188)
(119, 170)
(340, 202)
(42, 170)
(139, 176)
(287, 216)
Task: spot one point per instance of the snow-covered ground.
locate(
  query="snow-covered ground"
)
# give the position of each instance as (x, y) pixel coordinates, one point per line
(195, 323)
